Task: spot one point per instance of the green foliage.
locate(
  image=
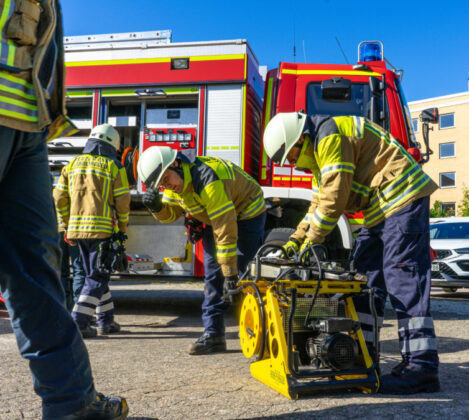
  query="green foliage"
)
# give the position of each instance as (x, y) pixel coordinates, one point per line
(438, 211)
(463, 207)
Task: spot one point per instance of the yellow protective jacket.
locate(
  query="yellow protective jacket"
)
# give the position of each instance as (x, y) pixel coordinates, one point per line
(357, 166)
(218, 193)
(92, 189)
(32, 71)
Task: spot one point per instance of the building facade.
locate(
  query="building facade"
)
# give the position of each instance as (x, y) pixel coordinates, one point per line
(449, 140)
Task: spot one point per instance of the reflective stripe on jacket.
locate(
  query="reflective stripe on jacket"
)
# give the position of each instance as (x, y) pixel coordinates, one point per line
(217, 193)
(91, 190)
(32, 91)
(357, 166)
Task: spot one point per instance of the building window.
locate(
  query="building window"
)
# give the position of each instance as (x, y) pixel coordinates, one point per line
(447, 150)
(448, 208)
(446, 121)
(415, 125)
(447, 179)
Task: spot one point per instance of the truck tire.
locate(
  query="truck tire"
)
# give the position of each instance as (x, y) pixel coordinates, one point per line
(278, 236)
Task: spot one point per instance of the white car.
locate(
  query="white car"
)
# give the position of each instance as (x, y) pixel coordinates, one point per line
(449, 238)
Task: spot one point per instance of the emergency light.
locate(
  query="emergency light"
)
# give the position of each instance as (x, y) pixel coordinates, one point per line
(370, 51)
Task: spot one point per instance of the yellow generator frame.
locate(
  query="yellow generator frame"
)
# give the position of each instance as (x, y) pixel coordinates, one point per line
(270, 319)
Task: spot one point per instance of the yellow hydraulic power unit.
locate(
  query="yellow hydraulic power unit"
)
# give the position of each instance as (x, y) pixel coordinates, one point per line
(298, 322)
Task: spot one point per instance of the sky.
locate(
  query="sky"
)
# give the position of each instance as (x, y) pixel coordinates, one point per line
(429, 39)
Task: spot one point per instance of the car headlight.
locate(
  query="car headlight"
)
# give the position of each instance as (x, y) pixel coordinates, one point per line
(462, 251)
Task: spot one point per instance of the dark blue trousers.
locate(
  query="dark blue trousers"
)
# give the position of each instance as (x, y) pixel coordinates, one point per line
(95, 295)
(250, 238)
(29, 262)
(395, 256)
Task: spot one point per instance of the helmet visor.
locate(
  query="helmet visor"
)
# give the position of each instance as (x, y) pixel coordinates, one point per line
(278, 156)
(153, 178)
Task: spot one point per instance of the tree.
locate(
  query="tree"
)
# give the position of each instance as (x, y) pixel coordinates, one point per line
(463, 207)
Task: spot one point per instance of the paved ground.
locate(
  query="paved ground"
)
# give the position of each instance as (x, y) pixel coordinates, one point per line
(148, 363)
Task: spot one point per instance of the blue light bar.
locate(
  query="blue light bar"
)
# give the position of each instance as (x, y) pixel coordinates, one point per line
(370, 51)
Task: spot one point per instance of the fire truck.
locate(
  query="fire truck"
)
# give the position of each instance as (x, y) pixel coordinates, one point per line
(205, 98)
(202, 98)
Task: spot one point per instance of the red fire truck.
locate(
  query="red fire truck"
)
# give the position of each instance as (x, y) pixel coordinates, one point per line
(205, 98)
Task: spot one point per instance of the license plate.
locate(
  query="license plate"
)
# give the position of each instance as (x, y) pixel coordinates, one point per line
(435, 267)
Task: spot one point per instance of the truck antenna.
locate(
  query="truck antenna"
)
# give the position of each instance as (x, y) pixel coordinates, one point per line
(341, 50)
(294, 41)
(304, 51)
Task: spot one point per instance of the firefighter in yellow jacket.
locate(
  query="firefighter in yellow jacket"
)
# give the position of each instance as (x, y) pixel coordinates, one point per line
(91, 192)
(32, 108)
(359, 166)
(224, 198)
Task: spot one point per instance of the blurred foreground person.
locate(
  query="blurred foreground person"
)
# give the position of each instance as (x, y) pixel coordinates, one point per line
(31, 108)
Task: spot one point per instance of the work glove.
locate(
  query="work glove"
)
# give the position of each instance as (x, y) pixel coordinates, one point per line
(228, 286)
(70, 242)
(291, 247)
(119, 258)
(151, 199)
(195, 229)
(306, 244)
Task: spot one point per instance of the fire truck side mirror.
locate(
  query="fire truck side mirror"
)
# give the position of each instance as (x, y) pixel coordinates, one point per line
(376, 86)
(336, 89)
(430, 115)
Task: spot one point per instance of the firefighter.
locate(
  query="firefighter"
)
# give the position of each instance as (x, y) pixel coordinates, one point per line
(359, 166)
(32, 105)
(91, 191)
(229, 202)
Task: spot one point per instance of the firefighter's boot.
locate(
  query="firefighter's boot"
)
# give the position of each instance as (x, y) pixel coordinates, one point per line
(109, 328)
(397, 370)
(103, 408)
(412, 380)
(208, 344)
(88, 332)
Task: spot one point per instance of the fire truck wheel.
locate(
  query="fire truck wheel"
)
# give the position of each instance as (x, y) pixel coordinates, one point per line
(278, 236)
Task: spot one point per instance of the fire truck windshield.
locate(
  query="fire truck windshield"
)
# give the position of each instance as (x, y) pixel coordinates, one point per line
(358, 104)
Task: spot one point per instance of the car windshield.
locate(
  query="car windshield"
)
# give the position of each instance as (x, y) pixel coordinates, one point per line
(449, 231)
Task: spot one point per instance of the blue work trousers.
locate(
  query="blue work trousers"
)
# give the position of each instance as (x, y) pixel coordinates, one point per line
(250, 238)
(95, 295)
(395, 256)
(29, 278)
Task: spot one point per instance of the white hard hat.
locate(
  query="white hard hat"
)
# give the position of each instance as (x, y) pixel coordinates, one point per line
(107, 134)
(152, 164)
(281, 134)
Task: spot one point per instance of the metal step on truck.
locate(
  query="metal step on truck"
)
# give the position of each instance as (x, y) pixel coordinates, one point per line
(212, 98)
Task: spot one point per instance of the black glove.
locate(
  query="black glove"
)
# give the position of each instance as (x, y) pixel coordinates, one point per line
(195, 229)
(152, 200)
(228, 286)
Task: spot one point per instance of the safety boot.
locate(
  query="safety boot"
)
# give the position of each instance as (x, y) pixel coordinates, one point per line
(397, 370)
(412, 380)
(88, 331)
(103, 408)
(208, 344)
(109, 328)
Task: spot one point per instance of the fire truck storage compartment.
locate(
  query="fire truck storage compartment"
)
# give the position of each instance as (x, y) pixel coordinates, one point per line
(172, 124)
(224, 122)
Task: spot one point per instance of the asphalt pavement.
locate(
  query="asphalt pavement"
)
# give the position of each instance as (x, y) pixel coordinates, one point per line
(147, 362)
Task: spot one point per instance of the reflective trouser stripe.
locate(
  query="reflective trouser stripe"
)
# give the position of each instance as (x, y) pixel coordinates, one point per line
(104, 308)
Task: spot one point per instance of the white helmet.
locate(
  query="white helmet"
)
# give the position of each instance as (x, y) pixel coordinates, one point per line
(107, 134)
(152, 164)
(281, 134)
